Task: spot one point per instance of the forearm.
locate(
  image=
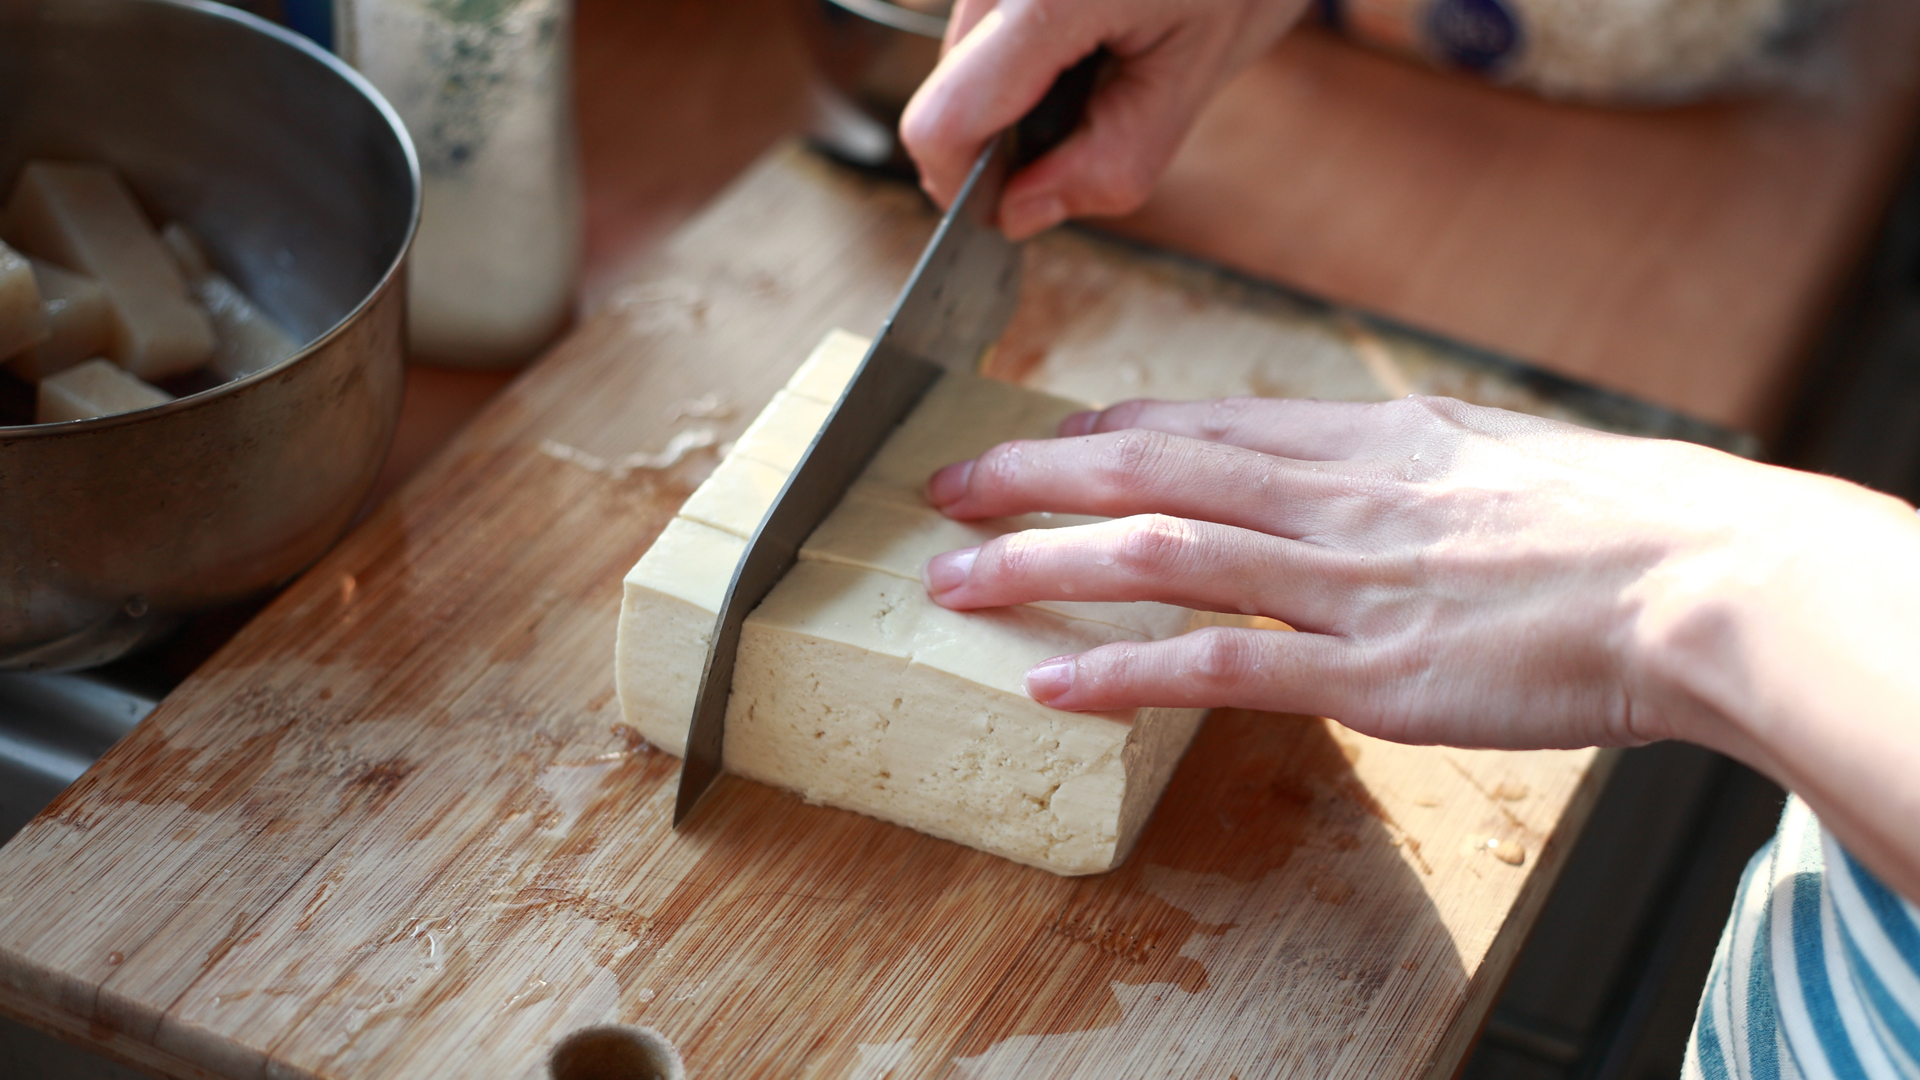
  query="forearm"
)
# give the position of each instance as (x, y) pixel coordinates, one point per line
(1801, 657)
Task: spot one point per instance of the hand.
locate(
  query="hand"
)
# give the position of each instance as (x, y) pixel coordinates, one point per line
(1456, 574)
(1475, 577)
(1002, 56)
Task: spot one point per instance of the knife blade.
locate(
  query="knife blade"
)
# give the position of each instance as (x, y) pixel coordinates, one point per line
(953, 308)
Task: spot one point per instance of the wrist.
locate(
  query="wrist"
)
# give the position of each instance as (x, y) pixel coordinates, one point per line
(1773, 640)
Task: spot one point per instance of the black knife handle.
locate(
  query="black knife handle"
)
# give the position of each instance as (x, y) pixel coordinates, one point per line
(1050, 122)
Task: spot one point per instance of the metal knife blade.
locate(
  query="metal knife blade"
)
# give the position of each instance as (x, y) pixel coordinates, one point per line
(954, 306)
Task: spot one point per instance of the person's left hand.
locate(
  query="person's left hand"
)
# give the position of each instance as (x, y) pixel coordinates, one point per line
(1457, 574)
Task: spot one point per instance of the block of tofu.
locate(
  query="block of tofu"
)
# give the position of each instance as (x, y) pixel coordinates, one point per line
(246, 339)
(829, 367)
(23, 317)
(82, 217)
(95, 388)
(78, 323)
(854, 689)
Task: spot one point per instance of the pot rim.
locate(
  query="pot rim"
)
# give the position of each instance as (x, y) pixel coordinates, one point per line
(21, 432)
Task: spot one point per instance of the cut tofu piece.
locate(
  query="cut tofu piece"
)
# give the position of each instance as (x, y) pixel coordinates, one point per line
(95, 388)
(186, 250)
(23, 317)
(735, 495)
(83, 217)
(673, 595)
(79, 324)
(854, 689)
(959, 418)
(783, 430)
(246, 339)
(829, 368)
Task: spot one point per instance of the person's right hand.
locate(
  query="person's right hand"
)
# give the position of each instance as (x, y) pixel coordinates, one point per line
(1002, 55)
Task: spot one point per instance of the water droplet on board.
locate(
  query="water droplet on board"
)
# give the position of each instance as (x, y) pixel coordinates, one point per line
(1507, 851)
(115, 959)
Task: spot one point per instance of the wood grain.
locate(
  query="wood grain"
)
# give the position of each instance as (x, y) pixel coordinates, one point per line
(1685, 256)
(397, 829)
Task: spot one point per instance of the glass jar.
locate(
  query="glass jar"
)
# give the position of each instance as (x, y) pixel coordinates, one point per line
(485, 89)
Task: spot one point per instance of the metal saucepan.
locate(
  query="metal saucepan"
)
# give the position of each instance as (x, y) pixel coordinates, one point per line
(304, 186)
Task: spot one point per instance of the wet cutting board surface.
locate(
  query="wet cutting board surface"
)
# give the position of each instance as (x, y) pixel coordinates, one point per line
(397, 828)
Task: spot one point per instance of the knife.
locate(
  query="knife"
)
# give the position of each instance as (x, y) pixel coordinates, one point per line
(955, 305)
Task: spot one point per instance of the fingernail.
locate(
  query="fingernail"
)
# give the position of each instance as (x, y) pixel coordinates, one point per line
(949, 484)
(1048, 680)
(947, 572)
(1080, 423)
(1028, 215)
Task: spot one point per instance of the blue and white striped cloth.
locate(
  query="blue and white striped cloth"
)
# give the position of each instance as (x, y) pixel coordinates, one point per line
(1818, 970)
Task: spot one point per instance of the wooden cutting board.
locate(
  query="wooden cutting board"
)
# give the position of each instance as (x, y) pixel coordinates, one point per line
(397, 827)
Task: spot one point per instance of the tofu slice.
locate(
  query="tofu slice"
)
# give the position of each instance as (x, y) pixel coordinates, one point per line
(857, 691)
(673, 595)
(246, 339)
(78, 322)
(782, 431)
(829, 368)
(95, 388)
(83, 217)
(735, 495)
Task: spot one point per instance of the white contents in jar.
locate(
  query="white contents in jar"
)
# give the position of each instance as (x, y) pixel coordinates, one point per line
(483, 86)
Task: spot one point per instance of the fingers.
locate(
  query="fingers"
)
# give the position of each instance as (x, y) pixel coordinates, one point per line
(987, 80)
(1001, 60)
(1123, 473)
(1274, 670)
(1133, 126)
(963, 17)
(1194, 564)
(1288, 427)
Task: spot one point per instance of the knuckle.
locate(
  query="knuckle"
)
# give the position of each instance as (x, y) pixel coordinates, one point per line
(998, 469)
(1133, 459)
(1430, 411)
(1013, 556)
(1223, 658)
(1152, 543)
(1224, 416)
(1121, 417)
